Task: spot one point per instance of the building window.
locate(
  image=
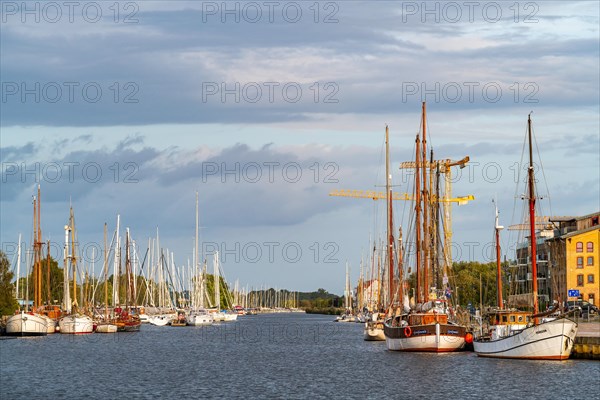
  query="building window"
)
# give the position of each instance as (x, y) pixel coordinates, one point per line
(591, 298)
(591, 278)
(590, 261)
(579, 262)
(590, 247)
(580, 280)
(579, 247)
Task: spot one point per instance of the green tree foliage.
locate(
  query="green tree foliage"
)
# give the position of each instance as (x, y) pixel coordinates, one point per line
(8, 303)
(472, 282)
(56, 281)
(477, 281)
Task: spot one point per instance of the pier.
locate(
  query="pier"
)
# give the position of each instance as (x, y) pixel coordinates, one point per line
(587, 341)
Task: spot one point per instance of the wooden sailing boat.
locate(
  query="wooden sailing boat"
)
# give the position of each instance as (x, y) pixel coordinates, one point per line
(519, 334)
(26, 322)
(374, 329)
(428, 326)
(105, 325)
(127, 319)
(75, 321)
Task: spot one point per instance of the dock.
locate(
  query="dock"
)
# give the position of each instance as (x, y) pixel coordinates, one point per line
(587, 341)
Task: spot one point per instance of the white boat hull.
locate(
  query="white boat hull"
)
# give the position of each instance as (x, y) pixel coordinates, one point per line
(374, 331)
(27, 324)
(161, 320)
(435, 338)
(76, 324)
(218, 316)
(551, 340)
(230, 317)
(199, 319)
(50, 323)
(106, 328)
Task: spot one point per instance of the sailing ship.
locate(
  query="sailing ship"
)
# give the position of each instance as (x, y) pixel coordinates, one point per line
(429, 324)
(348, 315)
(105, 325)
(198, 315)
(127, 319)
(26, 322)
(519, 334)
(75, 321)
(374, 327)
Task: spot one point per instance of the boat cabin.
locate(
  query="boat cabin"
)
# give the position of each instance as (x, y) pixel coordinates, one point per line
(508, 317)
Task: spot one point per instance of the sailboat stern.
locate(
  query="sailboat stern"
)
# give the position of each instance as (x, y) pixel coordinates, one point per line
(436, 338)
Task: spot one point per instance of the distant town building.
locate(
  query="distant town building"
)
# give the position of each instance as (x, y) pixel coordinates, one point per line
(575, 253)
(567, 261)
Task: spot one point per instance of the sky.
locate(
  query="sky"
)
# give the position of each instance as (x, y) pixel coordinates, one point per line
(128, 108)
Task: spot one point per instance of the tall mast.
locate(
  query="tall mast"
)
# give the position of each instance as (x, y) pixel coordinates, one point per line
(73, 257)
(38, 255)
(435, 218)
(105, 277)
(400, 269)
(532, 221)
(116, 265)
(128, 288)
(35, 269)
(196, 261)
(426, 230)
(66, 264)
(418, 218)
(18, 265)
(390, 221)
(498, 228)
(48, 293)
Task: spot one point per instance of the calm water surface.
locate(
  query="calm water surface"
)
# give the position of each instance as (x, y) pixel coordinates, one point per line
(271, 356)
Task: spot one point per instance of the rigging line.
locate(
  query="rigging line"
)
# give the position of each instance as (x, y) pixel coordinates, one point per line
(543, 172)
(518, 182)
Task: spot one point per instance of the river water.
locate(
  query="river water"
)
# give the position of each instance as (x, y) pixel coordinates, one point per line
(271, 356)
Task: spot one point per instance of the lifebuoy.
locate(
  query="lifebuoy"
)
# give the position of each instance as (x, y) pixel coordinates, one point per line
(469, 338)
(407, 331)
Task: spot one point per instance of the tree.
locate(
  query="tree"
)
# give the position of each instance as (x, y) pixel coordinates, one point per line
(56, 281)
(8, 303)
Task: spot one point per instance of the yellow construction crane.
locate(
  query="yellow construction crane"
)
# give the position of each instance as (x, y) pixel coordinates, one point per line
(371, 194)
(445, 168)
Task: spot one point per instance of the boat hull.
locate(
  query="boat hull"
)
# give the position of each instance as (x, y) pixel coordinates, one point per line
(374, 331)
(551, 340)
(160, 320)
(199, 320)
(27, 324)
(436, 338)
(229, 317)
(76, 325)
(129, 325)
(106, 328)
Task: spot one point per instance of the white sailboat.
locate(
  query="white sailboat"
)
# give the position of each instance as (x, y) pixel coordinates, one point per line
(427, 326)
(25, 322)
(198, 316)
(73, 322)
(374, 328)
(519, 334)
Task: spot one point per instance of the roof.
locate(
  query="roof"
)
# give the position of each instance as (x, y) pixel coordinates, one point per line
(594, 214)
(579, 232)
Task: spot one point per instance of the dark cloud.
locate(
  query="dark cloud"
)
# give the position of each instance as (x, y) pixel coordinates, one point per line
(153, 72)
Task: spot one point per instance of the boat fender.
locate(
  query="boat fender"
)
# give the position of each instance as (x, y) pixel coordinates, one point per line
(469, 338)
(407, 331)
